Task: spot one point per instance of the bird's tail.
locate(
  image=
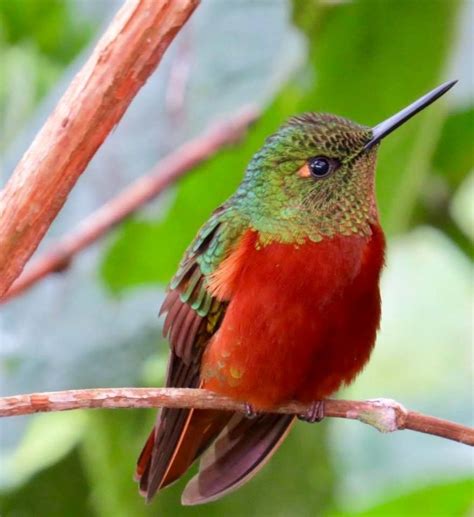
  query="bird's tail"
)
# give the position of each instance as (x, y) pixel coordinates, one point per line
(241, 450)
(178, 438)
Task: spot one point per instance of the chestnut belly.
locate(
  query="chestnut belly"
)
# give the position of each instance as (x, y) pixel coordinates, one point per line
(302, 322)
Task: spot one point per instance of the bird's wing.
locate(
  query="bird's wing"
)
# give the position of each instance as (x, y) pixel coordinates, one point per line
(192, 316)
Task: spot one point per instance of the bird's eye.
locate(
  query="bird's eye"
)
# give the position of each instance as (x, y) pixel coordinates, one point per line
(320, 166)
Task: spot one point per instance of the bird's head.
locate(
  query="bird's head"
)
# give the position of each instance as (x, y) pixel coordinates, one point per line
(315, 177)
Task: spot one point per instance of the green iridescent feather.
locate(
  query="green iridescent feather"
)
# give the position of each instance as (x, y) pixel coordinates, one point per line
(284, 207)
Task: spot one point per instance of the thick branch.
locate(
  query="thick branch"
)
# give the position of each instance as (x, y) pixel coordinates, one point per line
(132, 198)
(383, 414)
(93, 104)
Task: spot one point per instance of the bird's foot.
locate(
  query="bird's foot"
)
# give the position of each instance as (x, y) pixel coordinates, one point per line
(250, 411)
(315, 413)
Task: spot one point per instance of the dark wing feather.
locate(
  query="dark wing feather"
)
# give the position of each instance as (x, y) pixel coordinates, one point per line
(192, 317)
(240, 451)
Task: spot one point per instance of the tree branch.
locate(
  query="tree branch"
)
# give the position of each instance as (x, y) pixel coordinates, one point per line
(134, 196)
(93, 104)
(384, 414)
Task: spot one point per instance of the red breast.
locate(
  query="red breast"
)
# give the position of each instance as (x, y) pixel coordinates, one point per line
(301, 320)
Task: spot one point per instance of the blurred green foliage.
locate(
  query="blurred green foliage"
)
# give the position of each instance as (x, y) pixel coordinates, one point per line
(38, 38)
(59, 490)
(51, 26)
(449, 499)
(455, 165)
(365, 60)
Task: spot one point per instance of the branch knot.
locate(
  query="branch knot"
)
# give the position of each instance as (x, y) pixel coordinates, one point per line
(386, 415)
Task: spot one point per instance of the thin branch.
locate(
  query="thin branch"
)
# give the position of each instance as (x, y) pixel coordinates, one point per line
(384, 414)
(134, 196)
(93, 104)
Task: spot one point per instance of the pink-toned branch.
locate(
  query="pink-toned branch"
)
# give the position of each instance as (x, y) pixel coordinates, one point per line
(166, 172)
(93, 104)
(384, 414)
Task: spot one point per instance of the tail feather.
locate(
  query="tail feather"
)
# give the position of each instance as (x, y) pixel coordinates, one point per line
(177, 440)
(203, 427)
(240, 451)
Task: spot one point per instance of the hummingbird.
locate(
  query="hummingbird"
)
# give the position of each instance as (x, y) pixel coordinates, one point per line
(277, 299)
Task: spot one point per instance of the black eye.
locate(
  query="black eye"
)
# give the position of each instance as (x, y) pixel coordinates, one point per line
(320, 166)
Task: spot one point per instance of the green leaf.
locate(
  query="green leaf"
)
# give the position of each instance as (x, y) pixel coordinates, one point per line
(26, 77)
(38, 39)
(447, 500)
(109, 453)
(48, 439)
(462, 208)
(53, 26)
(58, 490)
(454, 156)
(446, 199)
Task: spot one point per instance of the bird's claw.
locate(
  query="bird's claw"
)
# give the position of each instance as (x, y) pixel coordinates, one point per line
(315, 413)
(250, 411)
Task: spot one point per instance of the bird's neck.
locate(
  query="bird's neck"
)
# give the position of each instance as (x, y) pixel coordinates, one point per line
(299, 223)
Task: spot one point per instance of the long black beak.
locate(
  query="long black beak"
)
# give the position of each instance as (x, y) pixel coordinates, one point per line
(387, 126)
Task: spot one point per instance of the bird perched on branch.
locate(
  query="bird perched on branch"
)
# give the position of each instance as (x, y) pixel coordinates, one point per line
(277, 299)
